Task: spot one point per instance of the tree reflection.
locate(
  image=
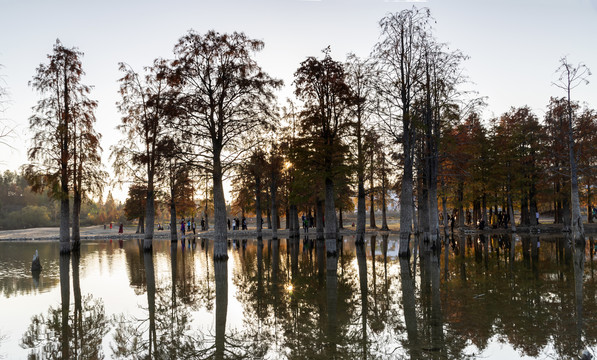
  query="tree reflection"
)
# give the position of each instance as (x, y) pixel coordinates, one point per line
(64, 335)
(362, 264)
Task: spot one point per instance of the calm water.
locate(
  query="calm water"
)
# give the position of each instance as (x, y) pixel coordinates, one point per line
(489, 298)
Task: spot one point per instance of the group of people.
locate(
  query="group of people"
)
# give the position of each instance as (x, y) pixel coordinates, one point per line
(191, 226)
(120, 228)
(238, 224)
(499, 219)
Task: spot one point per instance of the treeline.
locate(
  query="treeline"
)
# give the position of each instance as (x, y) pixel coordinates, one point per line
(397, 120)
(521, 161)
(21, 208)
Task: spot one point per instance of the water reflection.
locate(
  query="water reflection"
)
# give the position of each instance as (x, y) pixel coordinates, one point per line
(64, 335)
(487, 296)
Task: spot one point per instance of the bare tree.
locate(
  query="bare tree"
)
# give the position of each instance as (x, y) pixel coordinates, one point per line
(399, 54)
(145, 108)
(224, 95)
(360, 77)
(570, 77)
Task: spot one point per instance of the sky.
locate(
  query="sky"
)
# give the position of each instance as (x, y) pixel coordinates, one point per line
(514, 47)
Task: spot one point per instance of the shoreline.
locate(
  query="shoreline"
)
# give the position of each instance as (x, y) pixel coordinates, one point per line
(97, 232)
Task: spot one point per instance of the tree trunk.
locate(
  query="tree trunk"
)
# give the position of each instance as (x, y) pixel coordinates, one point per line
(589, 205)
(295, 220)
(460, 204)
(288, 218)
(76, 238)
(361, 211)
(406, 198)
(340, 219)
(578, 231)
(173, 224)
(384, 207)
(330, 217)
(258, 223)
(269, 215)
(274, 206)
(510, 208)
(525, 216)
(445, 215)
(432, 198)
(319, 219)
(149, 216)
(220, 225)
(142, 224)
(372, 224)
(566, 213)
(484, 208)
(423, 201)
(64, 224)
(65, 245)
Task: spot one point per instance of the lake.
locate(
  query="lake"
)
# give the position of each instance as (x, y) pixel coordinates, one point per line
(487, 297)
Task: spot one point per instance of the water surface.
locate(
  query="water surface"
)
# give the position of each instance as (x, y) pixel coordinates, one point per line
(482, 297)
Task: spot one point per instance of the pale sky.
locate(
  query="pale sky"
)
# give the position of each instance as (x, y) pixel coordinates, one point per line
(514, 46)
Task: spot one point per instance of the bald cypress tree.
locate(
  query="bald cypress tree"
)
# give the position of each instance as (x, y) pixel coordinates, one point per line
(61, 117)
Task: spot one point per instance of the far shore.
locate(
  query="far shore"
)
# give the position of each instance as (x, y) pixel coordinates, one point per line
(98, 232)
